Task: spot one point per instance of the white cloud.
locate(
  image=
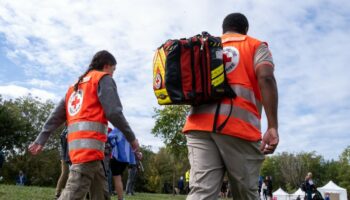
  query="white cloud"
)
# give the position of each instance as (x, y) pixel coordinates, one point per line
(41, 83)
(14, 91)
(53, 41)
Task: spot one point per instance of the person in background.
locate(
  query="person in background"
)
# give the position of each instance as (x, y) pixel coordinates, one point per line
(122, 153)
(234, 144)
(327, 197)
(187, 181)
(21, 179)
(310, 186)
(107, 163)
(264, 190)
(261, 179)
(87, 108)
(269, 186)
(132, 173)
(2, 160)
(65, 163)
(224, 186)
(181, 185)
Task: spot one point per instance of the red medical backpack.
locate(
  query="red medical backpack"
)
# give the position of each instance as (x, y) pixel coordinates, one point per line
(190, 71)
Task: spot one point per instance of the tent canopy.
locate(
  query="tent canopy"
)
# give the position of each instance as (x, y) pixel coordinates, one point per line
(331, 187)
(280, 192)
(299, 192)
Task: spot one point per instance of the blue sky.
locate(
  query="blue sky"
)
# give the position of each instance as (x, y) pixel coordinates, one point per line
(46, 45)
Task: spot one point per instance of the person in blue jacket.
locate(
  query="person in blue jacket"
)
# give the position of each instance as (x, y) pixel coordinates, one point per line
(122, 155)
(21, 179)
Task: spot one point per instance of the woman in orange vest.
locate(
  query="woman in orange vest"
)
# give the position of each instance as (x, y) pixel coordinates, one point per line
(87, 107)
(235, 147)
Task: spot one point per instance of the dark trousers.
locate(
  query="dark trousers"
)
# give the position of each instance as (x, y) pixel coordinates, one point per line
(131, 180)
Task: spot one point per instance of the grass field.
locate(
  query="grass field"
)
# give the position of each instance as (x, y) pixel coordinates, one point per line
(12, 192)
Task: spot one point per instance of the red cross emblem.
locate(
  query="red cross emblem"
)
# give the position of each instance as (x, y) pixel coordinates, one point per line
(230, 58)
(75, 102)
(158, 81)
(227, 59)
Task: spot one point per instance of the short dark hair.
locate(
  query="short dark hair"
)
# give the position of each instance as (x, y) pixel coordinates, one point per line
(236, 22)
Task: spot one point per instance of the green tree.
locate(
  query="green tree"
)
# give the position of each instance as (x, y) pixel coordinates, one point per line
(294, 167)
(329, 171)
(162, 170)
(168, 126)
(313, 163)
(42, 169)
(271, 168)
(11, 128)
(144, 177)
(26, 116)
(169, 123)
(344, 170)
(289, 170)
(165, 169)
(21, 120)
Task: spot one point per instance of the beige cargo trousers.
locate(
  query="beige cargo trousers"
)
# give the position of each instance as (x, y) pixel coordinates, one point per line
(212, 154)
(86, 177)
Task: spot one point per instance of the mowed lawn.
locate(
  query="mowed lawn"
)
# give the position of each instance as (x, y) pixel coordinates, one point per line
(12, 192)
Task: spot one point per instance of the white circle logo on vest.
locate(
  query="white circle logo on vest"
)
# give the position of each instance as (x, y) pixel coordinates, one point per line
(75, 102)
(231, 58)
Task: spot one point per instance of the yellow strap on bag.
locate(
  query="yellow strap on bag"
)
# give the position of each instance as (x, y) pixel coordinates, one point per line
(159, 77)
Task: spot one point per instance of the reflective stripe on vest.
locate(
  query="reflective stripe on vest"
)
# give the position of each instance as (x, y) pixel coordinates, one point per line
(86, 144)
(88, 126)
(237, 112)
(247, 95)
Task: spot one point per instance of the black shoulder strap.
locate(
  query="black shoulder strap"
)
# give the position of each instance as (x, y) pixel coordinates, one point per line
(217, 115)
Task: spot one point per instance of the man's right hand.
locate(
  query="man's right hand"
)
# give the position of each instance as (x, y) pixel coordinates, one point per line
(270, 141)
(35, 148)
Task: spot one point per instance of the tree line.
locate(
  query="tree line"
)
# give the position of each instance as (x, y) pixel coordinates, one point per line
(21, 120)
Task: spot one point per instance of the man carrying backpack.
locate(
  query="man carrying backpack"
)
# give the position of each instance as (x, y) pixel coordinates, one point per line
(237, 147)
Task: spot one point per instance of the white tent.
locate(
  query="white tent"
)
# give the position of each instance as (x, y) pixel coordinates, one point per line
(331, 187)
(280, 195)
(297, 193)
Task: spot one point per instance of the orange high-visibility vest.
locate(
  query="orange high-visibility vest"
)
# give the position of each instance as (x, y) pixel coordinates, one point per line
(86, 120)
(244, 120)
